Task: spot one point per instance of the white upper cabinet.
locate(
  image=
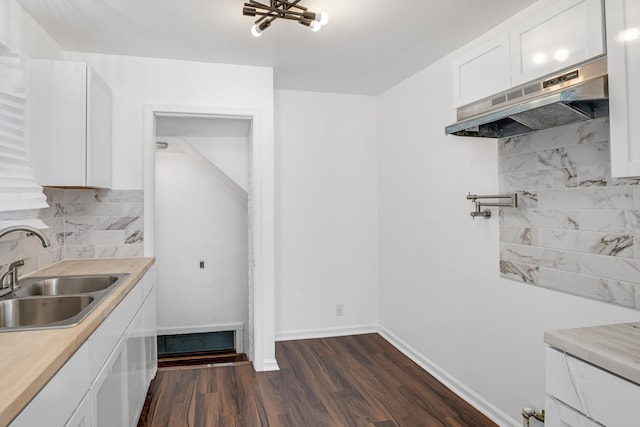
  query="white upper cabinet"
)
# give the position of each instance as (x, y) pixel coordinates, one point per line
(554, 36)
(70, 123)
(482, 72)
(564, 33)
(623, 47)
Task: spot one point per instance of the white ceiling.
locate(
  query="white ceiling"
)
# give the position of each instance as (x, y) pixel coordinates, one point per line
(367, 47)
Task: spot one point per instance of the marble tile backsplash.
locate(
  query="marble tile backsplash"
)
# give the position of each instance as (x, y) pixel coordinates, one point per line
(577, 229)
(83, 223)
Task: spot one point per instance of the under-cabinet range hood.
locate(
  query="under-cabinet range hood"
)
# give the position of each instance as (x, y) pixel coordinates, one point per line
(575, 95)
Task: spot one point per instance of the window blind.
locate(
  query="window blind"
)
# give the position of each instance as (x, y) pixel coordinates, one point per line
(19, 190)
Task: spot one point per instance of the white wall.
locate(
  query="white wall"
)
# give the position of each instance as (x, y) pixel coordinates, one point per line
(326, 214)
(441, 297)
(230, 154)
(138, 81)
(198, 218)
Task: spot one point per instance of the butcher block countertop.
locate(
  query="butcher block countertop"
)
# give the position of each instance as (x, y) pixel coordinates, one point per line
(31, 358)
(615, 348)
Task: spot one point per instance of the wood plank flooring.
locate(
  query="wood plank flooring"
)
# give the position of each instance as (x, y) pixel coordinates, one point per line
(359, 380)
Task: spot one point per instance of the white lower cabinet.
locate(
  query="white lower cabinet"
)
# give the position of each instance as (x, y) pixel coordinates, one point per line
(82, 416)
(581, 394)
(104, 384)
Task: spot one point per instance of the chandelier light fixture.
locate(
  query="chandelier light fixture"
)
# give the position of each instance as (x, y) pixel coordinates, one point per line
(285, 10)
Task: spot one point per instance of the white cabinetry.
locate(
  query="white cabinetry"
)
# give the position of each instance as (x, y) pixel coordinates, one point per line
(70, 124)
(482, 72)
(581, 394)
(105, 382)
(58, 400)
(566, 32)
(554, 36)
(623, 47)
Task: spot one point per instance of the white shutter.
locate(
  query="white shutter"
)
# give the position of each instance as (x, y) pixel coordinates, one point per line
(19, 189)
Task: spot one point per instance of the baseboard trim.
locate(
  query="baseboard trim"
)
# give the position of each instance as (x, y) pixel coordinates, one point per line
(303, 334)
(452, 383)
(269, 365)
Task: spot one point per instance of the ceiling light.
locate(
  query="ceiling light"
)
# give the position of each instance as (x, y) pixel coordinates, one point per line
(285, 10)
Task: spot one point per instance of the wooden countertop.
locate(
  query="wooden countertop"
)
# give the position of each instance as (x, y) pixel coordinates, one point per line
(29, 359)
(615, 348)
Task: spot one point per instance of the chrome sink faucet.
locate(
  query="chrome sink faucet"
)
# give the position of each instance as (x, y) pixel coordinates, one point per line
(30, 230)
(10, 278)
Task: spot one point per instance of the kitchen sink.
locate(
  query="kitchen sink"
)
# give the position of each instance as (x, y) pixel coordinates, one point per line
(34, 312)
(54, 301)
(65, 285)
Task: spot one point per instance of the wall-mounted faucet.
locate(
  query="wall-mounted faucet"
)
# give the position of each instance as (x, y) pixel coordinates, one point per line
(486, 213)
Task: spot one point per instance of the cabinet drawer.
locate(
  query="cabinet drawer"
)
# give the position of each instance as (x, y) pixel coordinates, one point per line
(48, 408)
(105, 338)
(599, 394)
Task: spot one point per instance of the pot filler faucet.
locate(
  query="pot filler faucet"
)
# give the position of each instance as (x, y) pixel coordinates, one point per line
(10, 278)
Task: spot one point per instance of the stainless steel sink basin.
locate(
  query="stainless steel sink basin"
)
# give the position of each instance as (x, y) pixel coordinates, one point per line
(34, 312)
(54, 302)
(65, 285)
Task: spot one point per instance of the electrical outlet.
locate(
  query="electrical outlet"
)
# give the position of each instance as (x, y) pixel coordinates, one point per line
(339, 309)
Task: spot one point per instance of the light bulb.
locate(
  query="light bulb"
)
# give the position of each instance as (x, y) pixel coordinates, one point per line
(540, 58)
(315, 26)
(322, 18)
(256, 31)
(561, 55)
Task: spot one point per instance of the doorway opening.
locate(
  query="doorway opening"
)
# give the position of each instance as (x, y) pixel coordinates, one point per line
(214, 255)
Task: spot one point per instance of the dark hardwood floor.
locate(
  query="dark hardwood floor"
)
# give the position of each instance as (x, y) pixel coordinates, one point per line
(359, 380)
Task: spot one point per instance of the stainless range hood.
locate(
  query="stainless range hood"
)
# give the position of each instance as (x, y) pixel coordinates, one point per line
(575, 95)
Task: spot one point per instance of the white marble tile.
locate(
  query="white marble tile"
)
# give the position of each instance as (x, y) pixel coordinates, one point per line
(636, 198)
(574, 156)
(80, 196)
(521, 272)
(519, 235)
(636, 245)
(515, 145)
(625, 269)
(601, 289)
(550, 178)
(567, 219)
(79, 252)
(605, 220)
(544, 257)
(590, 242)
(518, 163)
(75, 224)
(632, 219)
(54, 195)
(587, 198)
(133, 237)
(120, 196)
(118, 222)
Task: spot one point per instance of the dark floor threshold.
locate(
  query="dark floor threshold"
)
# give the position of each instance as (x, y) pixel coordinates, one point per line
(201, 359)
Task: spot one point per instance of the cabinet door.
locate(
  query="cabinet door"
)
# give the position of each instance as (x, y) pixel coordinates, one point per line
(57, 112)
(623, 47)
(82, 416)
(482, 72)
(99, 141)
(565, 33)
(109, 400)
(136, 387)
(56, 402)
(151, 344)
